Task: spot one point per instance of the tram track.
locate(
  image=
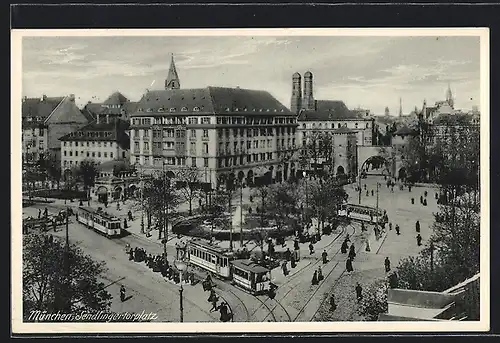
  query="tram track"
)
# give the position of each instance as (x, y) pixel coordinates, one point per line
(300, 273)
(324, 280)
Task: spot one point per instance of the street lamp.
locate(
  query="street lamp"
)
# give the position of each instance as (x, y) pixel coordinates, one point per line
(181, 266)
(304, 174)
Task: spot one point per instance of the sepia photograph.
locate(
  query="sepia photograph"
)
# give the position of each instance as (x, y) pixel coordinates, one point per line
(211, 180)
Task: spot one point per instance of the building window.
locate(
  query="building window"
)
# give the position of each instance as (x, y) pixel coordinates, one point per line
(193, 161)
(205, 148)
(356, 125)
(111, 154)
(64, 152)
(193, 133)
(71, 153)
(88, 154)
(192, 148)
(93, 153)
(105, 154)
(76, 153)
(205, 133)
(65, 143)
(184, 109)
(123, 154)
(205, 162)
(99, 154)
(196, 109)
(339, 126)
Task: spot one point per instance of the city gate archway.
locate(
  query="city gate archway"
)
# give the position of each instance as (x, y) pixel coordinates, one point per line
(365, 153)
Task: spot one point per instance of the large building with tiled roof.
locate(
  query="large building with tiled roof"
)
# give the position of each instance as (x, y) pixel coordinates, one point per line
(332, 117)
(225, 132)
(115, 104)
(45, 120)
(103, 140)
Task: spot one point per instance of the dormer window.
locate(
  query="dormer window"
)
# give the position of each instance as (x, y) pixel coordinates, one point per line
(268, 110)
(245, 109)
(227, 109)
(140, 109)
(282, 110)
(161, 109)
(184, 109)
(196, 109)
(149, 110)
(260, 110)
(236, 109)
(172, 109)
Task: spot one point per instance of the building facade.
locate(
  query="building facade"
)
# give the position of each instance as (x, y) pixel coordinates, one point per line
(47, 119)
(103, 140)
(227, 133)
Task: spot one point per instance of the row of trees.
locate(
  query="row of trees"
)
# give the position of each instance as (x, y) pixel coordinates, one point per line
(448, 154)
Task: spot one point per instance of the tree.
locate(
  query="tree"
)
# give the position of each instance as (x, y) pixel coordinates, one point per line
(319, 148)
(326, 197)
(261, 191)
(189, 184)
(282, 203)
(162, 199)
(452, 253)
(46, 284)
(87, 172)
(374, 301)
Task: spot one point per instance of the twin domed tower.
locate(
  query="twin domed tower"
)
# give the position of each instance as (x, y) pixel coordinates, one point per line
(306, 100)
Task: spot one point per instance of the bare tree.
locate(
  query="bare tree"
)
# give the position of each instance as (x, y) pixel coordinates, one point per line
(189, 184)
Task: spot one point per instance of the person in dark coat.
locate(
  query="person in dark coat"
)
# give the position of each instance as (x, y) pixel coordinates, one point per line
(284, 268)
(359, 292)
(125, 223)
(343, 248)
(214, 304)
(122, 293)
(352, 253)
(333, 305)
(348, 265)
(419, 240)
(397, 229)
(320, 274)
(211, 296)
(293, 263)
(417, 226)
(39, 213)
(314, 280)
(288, 254)
(372, 192)
(387, 264)
(311, 249)
(223, 309)
(421, 199)
(131, 255)
(324, 255)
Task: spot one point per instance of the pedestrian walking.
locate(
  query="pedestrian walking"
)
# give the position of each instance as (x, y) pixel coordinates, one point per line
(372, 192)
(324, 255)
(212, 295)
(419, 240)
(122, 293)
(397, 229)
(421, 199)
(390, 226)
(311, 248)
(39, 213)
(288, 254)
(367, 193)
(320, 274)
(333, 305)
(348, 265)
(363, 228)
(125, 223)
(352, 253)
(343, 248)
(359, 292)
(367, 248)
(293, 262)
(417, 226)
(409, 188)
(314, 280)
(387, 264)
(214, 304)
(284, 268)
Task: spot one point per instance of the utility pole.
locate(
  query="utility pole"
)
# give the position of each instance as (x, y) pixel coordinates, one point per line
(66, 256)
(241, 213)
(432, 256)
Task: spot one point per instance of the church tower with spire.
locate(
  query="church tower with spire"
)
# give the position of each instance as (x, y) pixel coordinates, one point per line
(296, 103)
(449, 97)
(172, 81)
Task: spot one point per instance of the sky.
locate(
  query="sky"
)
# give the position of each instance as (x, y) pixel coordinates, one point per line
(369, 72)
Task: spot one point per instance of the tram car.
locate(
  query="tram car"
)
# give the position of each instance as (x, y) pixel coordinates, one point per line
(101, 222)
(210, 257)
(250, 276)
(361, 213)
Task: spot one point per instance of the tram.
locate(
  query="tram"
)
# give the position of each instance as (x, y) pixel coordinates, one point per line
(210, 257)
(101, 222)
(362, 213)
(250, 276)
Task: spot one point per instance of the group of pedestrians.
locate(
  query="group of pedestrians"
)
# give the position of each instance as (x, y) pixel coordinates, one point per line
(223, 308)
